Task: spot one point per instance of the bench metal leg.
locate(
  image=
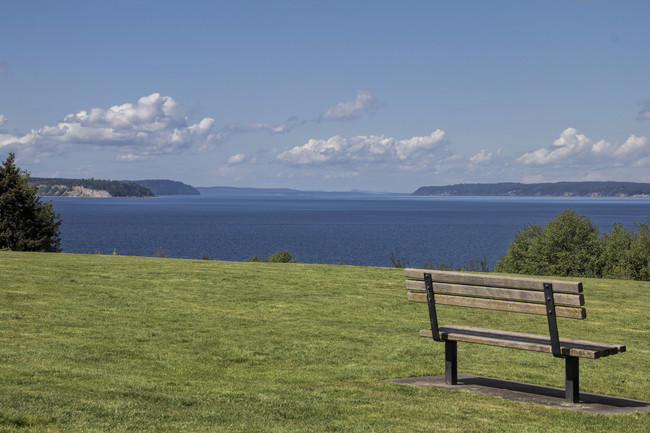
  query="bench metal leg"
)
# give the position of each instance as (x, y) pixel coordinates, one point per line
(451, 363)
(572, 381)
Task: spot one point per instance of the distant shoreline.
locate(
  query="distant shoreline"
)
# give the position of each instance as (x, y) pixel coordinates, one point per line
(90, 188)
(558, 189)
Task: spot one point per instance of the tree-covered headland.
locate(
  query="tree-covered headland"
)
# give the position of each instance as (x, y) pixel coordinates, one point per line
(54, 187)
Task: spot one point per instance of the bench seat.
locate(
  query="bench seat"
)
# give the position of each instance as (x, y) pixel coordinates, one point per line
(518, 340)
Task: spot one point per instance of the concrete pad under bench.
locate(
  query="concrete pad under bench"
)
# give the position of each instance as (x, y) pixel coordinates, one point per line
(529, 393)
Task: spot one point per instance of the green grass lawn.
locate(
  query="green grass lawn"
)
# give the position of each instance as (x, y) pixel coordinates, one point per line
(110, 343)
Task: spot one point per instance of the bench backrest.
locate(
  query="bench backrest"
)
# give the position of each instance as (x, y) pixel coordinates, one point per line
(494, 292)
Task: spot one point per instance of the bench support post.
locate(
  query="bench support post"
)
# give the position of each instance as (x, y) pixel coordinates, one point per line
(552, 321)
(431, 302)
(451, 363)
(572, 382)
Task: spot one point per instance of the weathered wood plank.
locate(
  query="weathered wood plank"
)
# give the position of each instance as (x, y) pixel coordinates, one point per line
(494, 304)
(538, 343)
(494, 280)
(574, 300)
(520, 345)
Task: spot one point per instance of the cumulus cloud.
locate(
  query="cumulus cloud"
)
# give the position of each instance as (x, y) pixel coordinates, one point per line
(237, 159)
(483, 157)
(349, 110)
(644, 114)
(149, 127)
(365, 149)
(281, 128)
(572, 148)
(5, 139)
(225, 133)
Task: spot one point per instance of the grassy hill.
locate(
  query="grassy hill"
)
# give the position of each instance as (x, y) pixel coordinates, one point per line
(110, 343)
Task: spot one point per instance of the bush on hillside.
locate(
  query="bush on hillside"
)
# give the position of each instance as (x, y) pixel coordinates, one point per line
(639, 253)
(283, 256)
(569, 245)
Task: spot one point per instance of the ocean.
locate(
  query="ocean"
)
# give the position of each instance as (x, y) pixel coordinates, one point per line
(349, 229)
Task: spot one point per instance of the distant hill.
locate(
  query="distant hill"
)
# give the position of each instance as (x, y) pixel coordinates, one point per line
(168, 187)
(57, 187)
(558, 189)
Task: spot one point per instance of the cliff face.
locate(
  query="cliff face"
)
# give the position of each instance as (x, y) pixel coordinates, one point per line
(55, 187)
(74, 191)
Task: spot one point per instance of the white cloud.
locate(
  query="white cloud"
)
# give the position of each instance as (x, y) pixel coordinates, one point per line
(3, 120)
(149, 127)
(237, 159)
(482, 157)
(266, 127)
(282, 128)
(644, 114)
(229, 130)
(577, 149)
(371, 149)
(129, 157)
(352, 109)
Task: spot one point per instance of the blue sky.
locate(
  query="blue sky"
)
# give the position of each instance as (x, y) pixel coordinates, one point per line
(336, 95)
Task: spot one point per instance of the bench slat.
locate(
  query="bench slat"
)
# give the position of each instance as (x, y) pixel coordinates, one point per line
(494, 280)
(574, 300)
(516, 340)
(613, 348)
(494, 304)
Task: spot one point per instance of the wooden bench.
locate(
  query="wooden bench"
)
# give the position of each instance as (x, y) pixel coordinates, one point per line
(550, 298)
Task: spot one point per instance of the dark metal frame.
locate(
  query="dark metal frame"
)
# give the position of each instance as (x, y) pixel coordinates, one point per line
(431, 302)
(552, 320)
(451, 347)
(571, 363)
(572, 379)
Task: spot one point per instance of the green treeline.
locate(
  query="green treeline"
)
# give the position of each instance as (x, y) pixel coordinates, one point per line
(53, 187)
(557, 189)
(167, 187)
(571, 245)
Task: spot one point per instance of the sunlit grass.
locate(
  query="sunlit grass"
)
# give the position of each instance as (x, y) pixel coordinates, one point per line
(112, 343)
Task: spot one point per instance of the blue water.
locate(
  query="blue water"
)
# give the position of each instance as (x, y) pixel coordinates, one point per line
(360, 230)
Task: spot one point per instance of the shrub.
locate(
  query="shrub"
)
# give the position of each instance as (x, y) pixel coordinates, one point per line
(568, 245)
(639, 254)
(615, 258)
(474, 265)
(521, 257)
(283, 256)
(397, 261)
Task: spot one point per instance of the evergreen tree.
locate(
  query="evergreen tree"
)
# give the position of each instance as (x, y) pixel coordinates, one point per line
(26, 223)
